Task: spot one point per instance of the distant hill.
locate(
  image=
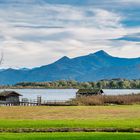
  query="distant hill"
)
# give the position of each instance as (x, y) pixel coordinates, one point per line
(92, 67)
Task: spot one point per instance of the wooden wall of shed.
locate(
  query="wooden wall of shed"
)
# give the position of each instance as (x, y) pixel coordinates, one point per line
(12, 99)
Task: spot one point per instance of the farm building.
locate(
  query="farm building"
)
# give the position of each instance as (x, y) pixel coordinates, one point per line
(88, 92)
(9, 97)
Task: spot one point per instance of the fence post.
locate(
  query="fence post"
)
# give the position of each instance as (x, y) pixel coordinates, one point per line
(39, 100)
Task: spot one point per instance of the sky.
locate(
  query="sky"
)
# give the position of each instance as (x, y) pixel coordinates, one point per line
(38, 32)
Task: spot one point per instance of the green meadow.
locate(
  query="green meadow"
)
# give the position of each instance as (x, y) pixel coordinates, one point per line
(125, 116)
(114, 123)
(13, 119)
(70, 136)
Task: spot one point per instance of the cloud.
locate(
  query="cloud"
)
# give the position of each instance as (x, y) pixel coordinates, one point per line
(36, 33)
(131, 37)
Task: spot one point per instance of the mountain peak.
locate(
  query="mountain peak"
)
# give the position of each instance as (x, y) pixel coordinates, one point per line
(63, 59)
(100, 53)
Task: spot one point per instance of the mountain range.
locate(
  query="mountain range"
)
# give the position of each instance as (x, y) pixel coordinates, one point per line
(92, 67)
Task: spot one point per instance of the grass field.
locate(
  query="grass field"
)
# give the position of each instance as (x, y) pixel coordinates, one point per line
(43, 117)
(70, 136)
(129, 123)
(70, 112)
(71, 117)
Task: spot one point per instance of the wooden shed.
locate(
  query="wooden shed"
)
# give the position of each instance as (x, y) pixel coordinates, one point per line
(9, 97)
(89, 92)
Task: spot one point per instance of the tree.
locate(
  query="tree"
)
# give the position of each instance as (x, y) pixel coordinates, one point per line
(1, 59)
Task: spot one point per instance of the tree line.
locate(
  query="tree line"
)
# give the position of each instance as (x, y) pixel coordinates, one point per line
(62, 84)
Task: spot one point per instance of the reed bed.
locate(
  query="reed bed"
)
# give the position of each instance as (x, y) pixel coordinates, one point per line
(107, 100)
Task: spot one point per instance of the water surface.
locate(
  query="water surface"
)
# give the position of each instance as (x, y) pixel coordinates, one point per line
(64, 94)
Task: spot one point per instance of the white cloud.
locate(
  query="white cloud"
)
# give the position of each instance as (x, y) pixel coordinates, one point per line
(38, 34)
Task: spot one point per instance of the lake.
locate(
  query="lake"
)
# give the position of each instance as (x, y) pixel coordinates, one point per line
(64, 94)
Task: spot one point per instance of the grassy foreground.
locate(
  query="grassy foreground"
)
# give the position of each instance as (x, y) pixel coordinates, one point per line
(70, 112)
(70, 136)
(40, 117)
(70, 117)
(15, 124)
